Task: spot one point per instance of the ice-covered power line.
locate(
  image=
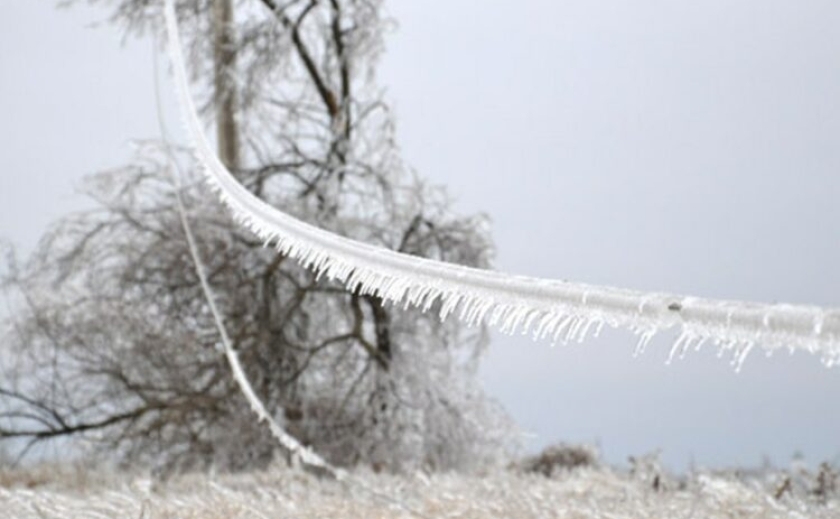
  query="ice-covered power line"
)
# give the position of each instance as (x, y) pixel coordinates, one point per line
(559, 310)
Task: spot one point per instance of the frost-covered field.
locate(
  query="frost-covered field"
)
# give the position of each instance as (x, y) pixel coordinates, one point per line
(584, 493)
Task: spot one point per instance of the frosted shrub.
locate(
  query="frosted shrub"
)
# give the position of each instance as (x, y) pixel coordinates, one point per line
(560, 458)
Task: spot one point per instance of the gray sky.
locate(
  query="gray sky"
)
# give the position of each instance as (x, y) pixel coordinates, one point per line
(689, 147)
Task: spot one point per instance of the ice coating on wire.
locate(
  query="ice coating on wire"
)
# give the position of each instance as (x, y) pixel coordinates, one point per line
(559, 310)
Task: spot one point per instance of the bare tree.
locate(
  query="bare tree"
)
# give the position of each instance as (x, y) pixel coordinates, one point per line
(112, 342)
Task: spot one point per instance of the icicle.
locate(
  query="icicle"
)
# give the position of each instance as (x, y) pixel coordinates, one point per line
(538, 331)
(526, 326)
(677, 344)
(644, 339)
(566, 321)
(598, 328)
(742, 356)
(573, 329)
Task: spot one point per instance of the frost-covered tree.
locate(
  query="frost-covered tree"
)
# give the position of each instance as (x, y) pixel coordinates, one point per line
(112, 342)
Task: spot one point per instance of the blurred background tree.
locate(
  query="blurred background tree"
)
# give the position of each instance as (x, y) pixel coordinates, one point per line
(111, 342)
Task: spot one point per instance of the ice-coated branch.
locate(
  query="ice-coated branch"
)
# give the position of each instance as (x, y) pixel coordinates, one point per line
(562, 311)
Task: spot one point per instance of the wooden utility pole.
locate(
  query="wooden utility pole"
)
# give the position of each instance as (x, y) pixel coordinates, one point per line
(224, 60)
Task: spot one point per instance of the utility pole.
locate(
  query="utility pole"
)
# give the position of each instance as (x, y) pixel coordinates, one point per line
(224, 61)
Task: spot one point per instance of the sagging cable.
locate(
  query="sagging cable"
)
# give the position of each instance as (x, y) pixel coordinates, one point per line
(563, 311)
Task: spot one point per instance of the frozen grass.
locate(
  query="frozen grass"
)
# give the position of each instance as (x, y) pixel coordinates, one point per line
(583, 493)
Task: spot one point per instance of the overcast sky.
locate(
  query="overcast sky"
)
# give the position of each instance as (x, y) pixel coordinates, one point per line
(688, 147)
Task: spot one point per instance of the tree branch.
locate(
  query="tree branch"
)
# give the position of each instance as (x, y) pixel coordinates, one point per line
(326, 95)
(68, 430)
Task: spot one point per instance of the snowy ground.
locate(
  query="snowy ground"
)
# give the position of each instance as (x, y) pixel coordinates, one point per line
(583, 493)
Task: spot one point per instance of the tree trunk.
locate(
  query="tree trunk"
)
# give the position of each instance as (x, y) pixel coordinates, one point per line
(224, 57)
